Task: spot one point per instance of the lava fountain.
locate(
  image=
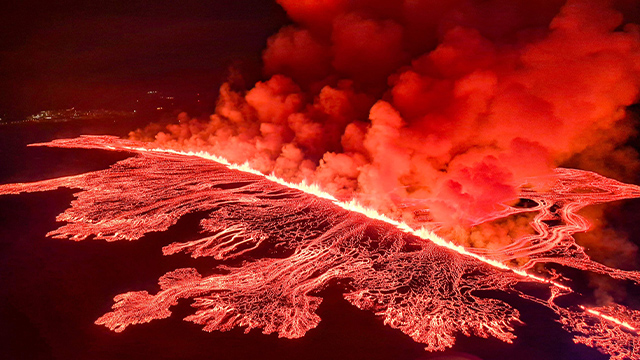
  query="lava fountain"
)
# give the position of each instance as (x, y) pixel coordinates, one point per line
(295, 240)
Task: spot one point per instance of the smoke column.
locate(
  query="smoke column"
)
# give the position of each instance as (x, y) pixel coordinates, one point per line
(439, 105)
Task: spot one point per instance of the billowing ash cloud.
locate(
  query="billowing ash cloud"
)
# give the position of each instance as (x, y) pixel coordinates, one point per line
(446, 105)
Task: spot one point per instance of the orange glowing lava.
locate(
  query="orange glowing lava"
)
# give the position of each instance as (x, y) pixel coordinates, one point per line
(295, 240)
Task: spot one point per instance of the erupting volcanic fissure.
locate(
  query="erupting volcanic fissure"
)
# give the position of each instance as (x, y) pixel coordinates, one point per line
(295, 240)
(442, 140)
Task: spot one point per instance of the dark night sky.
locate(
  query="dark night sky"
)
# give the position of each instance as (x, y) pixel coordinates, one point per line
(88, 54)
(104, 53)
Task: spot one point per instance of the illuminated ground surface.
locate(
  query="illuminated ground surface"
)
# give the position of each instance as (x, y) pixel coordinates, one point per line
(56, 289)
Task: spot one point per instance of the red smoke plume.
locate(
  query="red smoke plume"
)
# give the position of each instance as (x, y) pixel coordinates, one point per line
(446, 105)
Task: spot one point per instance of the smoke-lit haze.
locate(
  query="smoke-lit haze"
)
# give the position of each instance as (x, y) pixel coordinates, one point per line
(448, 106)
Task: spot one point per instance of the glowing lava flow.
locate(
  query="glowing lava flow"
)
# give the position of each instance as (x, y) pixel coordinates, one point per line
(354, 206)
(609, 318)
(294, 240)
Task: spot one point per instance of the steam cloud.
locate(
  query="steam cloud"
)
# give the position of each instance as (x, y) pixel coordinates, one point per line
(445, 105)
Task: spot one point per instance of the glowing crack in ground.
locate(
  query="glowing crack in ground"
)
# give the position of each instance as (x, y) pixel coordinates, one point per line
(295, 240)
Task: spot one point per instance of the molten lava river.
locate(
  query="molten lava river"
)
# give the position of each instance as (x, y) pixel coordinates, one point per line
(295, 240)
